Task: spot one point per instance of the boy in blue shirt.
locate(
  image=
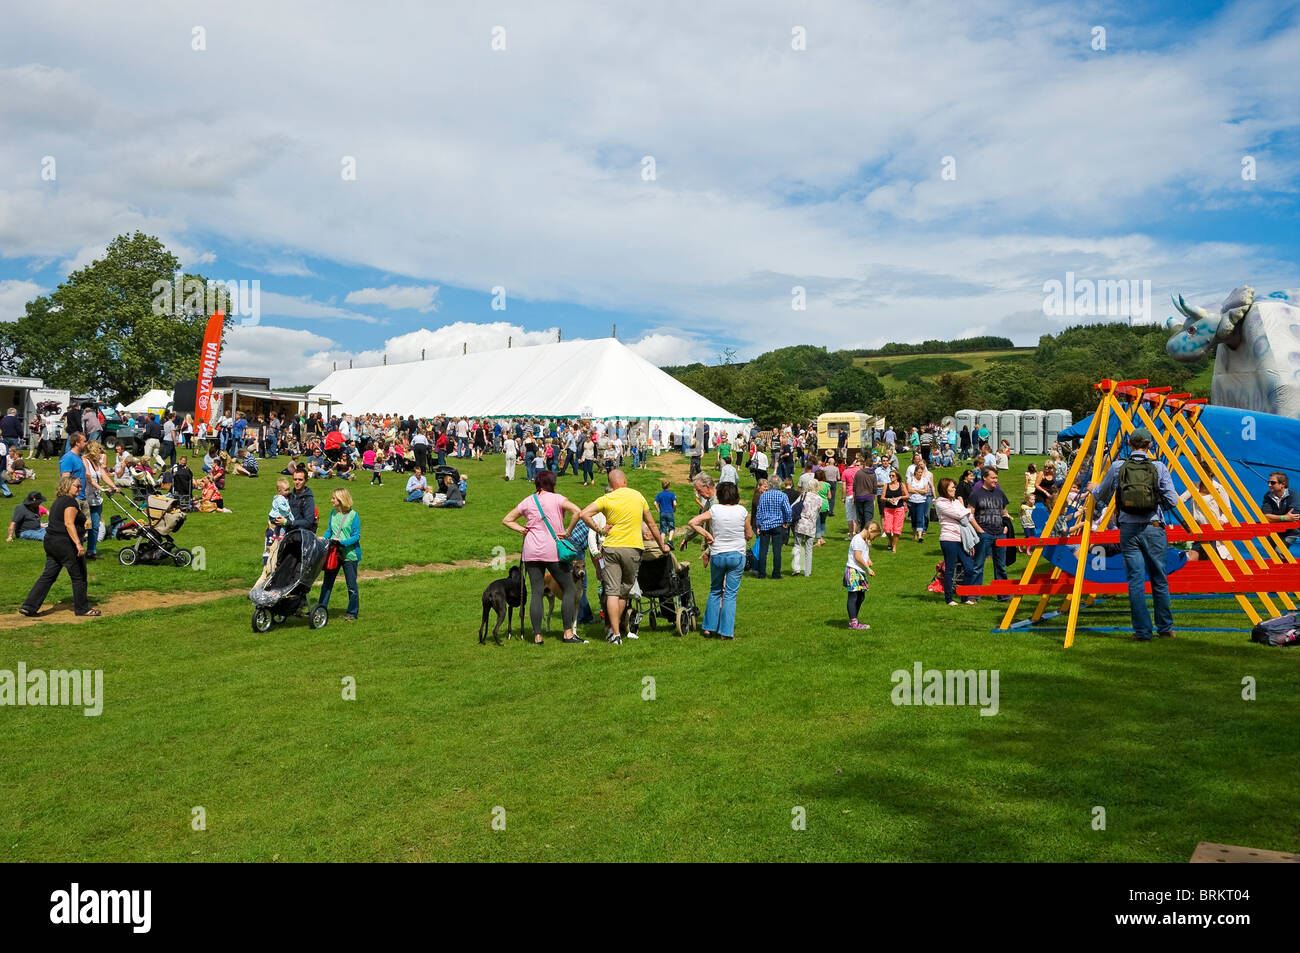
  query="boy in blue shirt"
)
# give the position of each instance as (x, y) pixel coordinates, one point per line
(666, 506)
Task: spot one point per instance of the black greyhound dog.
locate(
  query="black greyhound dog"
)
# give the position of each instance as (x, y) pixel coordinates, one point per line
(504, 595)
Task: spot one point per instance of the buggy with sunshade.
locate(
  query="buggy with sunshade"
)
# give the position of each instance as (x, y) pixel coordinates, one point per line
(291, 569)
(154, 534)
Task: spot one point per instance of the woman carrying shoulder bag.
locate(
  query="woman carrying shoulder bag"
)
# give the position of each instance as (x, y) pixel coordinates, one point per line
(344, 528)
(545, 548)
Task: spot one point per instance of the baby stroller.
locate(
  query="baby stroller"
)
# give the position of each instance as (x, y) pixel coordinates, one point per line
(163, 519)
(286, 581)
(662, 592)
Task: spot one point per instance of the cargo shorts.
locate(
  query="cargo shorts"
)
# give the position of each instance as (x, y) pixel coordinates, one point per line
(621, 565)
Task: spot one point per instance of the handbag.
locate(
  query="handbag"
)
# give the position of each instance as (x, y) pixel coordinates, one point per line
(564, 550)
(332, 558)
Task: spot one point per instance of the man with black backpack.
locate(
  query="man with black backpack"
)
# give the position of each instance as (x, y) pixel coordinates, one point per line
(1144, 493)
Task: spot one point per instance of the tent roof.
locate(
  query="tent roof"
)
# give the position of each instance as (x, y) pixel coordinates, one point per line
(601, 378)
(155, 398)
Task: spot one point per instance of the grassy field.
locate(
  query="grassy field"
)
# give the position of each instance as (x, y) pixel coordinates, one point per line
(903, 366)
(560, 741)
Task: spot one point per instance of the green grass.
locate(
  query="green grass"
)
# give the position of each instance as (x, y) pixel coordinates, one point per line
(904, 366)
(199, 710)
(926, 367)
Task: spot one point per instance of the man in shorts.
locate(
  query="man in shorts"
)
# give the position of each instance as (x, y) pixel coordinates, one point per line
(625, 511)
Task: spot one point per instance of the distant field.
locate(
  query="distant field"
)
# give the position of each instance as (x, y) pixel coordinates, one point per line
(903, 366)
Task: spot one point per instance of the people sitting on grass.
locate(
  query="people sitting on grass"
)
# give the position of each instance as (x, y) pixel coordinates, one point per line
(248, 465)
(416, 484)
(26, 522)
(318, 466)
(210, 498)
(449, 493)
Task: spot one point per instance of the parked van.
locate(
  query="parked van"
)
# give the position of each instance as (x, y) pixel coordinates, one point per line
(861, 430)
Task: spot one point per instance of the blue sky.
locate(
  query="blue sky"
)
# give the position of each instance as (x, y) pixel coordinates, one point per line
(225, 131)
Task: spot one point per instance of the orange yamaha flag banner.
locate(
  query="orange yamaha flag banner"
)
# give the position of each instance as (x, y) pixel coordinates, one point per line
(208, 366)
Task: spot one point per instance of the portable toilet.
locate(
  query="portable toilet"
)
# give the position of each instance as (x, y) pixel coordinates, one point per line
(1009, 429)
(989, 418)
(1031, 432)
(967, 418)
(1057, 420)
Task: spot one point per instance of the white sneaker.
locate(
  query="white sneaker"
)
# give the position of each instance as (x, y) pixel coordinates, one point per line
(631, 635)
(952, 603)
(613, 639)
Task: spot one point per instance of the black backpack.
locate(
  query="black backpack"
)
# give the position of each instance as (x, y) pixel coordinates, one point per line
(1138, 486)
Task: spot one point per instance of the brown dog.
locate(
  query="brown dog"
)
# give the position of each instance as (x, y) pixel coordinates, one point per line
(553, 591)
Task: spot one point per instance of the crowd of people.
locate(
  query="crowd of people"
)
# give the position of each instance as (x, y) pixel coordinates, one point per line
(903, 477)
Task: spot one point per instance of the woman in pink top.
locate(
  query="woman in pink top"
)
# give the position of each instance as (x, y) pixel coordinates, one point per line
(951, 512)
(540, 556)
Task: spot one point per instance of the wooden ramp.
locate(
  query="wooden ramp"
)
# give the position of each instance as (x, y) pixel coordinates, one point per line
(1208, 853)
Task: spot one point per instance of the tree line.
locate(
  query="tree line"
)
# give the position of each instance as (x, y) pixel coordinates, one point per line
(798, 383)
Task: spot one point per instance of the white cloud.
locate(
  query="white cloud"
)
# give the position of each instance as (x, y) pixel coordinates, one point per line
(290, 356)
(417, 297)
(496, 185)
(664, 350)
(14, 296)
(287, 356)
(289, 306)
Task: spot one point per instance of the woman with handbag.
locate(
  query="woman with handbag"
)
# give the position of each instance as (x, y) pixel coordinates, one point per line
(546, 548)
(343, 531)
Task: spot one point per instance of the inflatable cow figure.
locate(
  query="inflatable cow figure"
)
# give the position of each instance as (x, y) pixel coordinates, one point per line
(1257, 363)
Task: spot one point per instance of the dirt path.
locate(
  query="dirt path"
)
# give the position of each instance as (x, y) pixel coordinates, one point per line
(121, 603)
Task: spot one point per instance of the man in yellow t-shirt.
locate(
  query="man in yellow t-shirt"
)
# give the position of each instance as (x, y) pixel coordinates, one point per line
(625, 511)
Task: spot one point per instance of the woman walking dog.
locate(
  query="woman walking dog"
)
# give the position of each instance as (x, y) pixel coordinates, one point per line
(543, 513)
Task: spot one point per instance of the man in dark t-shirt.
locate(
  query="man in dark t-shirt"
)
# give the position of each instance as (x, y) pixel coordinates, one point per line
(990, 505)
(26, 522)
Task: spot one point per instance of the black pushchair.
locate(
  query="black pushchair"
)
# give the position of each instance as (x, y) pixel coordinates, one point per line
(664, 587)
(154, 542)
(282, 589)
(445, 470)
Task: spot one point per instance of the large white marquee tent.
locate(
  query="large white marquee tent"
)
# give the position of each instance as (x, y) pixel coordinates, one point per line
(600, 379)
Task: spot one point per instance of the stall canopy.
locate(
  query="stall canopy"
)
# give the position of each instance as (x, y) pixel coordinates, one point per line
(155, 401)
(599, 379)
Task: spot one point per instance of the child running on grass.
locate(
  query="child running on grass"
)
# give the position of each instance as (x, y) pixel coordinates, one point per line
(666, 507)
(278, 518)
(857, 571)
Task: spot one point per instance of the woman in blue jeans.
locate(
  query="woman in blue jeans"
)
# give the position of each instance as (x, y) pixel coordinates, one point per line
(344, 526)
(727, 538)
(98, 483)
(952, 510)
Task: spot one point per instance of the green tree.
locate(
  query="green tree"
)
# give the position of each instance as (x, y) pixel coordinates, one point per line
(98, 332)
(854, 389)
(804, 366)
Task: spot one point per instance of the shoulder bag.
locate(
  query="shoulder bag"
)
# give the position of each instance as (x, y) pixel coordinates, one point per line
(564, 549)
